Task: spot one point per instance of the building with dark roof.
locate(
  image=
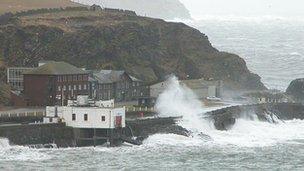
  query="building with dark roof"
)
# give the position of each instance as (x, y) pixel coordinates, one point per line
(118, 85)
(54, 83)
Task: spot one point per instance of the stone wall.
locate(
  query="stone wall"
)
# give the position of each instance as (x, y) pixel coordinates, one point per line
(38, 134)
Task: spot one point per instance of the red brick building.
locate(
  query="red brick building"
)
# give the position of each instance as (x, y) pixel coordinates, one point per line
(54, 83)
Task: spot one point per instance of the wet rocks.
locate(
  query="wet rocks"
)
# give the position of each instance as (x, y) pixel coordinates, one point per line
(147, 127)
(296, 90)
(224, 119)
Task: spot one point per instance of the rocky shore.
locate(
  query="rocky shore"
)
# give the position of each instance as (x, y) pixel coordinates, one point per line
(225, 118)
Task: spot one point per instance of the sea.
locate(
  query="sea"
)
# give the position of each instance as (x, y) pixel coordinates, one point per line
(272, 48)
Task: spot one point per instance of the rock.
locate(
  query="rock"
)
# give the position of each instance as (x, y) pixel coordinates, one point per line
(296, 90)
(145, 128)
(225, 118)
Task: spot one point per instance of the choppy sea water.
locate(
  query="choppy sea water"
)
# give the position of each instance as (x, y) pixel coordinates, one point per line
(267, 148)
(271, 46)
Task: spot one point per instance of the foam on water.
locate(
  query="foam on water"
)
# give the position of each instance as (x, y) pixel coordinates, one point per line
(19, 153)
(178, 100)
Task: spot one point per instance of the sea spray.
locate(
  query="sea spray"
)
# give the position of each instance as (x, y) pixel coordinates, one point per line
(179, 100)
(4, 143)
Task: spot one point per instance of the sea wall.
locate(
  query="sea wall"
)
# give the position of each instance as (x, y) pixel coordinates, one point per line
(63, 136)
(28, 134)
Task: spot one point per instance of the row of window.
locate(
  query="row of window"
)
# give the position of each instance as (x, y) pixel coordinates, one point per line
(105, 86)
(127, 85)
(65, 78)
(16, 84)
(16, 73)
(86, 117)
(72, 87)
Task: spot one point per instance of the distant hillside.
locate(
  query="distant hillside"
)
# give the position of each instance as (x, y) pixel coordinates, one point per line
(23, 5)
(150, 49)
(164, 9)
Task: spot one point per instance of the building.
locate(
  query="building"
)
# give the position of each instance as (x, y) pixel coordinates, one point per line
(93, 123)
(54, 83)
(118, 85)
(87, 114)
(202, 88)
(15, 77)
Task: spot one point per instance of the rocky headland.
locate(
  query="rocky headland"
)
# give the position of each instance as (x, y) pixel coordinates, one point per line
(296, 90)
(147, 48)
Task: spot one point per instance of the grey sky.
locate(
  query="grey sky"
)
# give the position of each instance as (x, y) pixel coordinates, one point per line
(246, 7)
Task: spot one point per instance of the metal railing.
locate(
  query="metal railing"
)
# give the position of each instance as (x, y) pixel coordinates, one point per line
(8, 114)
(139, 109)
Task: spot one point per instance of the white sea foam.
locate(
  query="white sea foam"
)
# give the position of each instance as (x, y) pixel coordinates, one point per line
(178, 100)
(19, 153)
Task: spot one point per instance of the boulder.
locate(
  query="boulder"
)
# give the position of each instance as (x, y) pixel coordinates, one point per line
(296, 89)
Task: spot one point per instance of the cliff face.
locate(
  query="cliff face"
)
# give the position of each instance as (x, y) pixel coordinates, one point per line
(296, 89)
(150, 49)
(165, 9)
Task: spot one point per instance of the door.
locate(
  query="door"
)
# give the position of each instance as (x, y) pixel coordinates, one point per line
(118, 121)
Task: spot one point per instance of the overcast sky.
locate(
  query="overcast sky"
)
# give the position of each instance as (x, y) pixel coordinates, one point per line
(245, 7)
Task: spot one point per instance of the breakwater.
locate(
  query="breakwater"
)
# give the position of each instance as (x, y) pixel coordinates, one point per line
(226, 117)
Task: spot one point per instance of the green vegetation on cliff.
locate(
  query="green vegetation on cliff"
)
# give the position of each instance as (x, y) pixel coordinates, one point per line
(148, 48)
(23, 5)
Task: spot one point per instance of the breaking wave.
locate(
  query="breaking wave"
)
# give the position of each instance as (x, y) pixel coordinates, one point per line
(178, 100)
(19, 153)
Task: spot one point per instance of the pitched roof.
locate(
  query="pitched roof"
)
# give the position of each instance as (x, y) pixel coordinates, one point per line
(110, 76)
(56, 68)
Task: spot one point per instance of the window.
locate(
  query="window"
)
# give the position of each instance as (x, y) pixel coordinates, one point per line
(64, 88)
(103, 118)
(73, 117)
(84, 86)
(75, 78)
(75, 87)
(69, 87)
(59, 88)
(85, 117)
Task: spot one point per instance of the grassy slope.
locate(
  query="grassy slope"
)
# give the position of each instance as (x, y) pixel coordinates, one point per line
(23, 5)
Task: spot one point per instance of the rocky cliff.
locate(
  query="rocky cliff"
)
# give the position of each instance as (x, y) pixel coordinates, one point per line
(165, 9)
(296, 89)
(150, 49)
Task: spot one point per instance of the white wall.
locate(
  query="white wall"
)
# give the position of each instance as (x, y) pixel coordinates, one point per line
(94, 116)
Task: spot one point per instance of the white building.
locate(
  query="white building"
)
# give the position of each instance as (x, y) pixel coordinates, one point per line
(202, 88)
(87, 114)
